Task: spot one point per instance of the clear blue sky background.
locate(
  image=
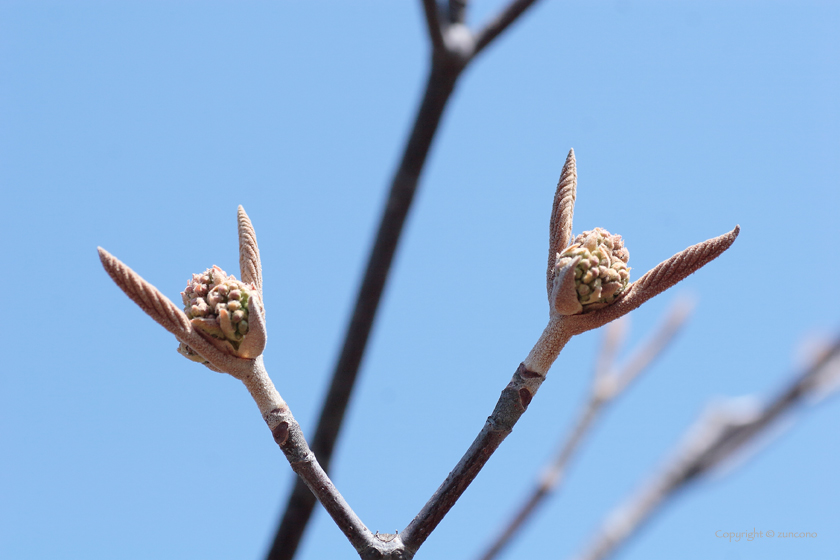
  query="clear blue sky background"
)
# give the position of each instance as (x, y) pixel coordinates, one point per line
(140, 126)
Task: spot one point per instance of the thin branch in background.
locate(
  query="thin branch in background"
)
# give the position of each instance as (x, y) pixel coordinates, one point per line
(653, 348)
(614, 335)
(607, 384)
(446, 67)
(718, 436)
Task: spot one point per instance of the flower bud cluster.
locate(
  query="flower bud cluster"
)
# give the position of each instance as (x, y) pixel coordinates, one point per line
(217, 304)
(602, 273)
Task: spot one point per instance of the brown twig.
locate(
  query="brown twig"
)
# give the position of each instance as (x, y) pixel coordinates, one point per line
(716, 437)
(276, 414)
(531, 373)
(289, 437)
(606, 386)
(447, 64)
(511, 405)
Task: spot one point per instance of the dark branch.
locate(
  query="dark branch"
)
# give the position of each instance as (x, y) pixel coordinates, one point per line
(430, 10)
(301, 502)
(497, 25)
(442, 78)
(457, 11)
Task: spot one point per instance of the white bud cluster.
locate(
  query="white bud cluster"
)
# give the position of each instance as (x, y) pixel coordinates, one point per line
(213, 294)
(217, 304)
(602, 273)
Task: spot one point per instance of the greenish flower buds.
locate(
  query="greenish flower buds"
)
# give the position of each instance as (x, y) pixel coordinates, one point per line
(217, 305)
(601, 272)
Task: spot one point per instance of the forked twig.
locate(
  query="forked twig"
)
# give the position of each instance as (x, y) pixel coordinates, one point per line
(447, 63)
(716, 437)
(606, 386)
(216, 328)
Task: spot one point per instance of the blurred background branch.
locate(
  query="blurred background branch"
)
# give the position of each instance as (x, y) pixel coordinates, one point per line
(721, 434)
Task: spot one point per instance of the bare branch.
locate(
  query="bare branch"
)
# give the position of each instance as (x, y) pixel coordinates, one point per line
(562, 211)
(289, 437)
(299, 507)
(552, 340)
(441, 82)
(653, 348)
(250, 268)
(512, 404)
(716, 437)
(663, 276)
(431, 11)
(614, 334)
(545, 486)
(497, 25)
(605, 387)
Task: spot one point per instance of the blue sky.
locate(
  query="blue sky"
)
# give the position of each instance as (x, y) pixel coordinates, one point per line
(140, 126)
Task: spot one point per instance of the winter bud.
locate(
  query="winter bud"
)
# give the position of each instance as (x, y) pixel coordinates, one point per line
(600, 271)
(217, 306)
